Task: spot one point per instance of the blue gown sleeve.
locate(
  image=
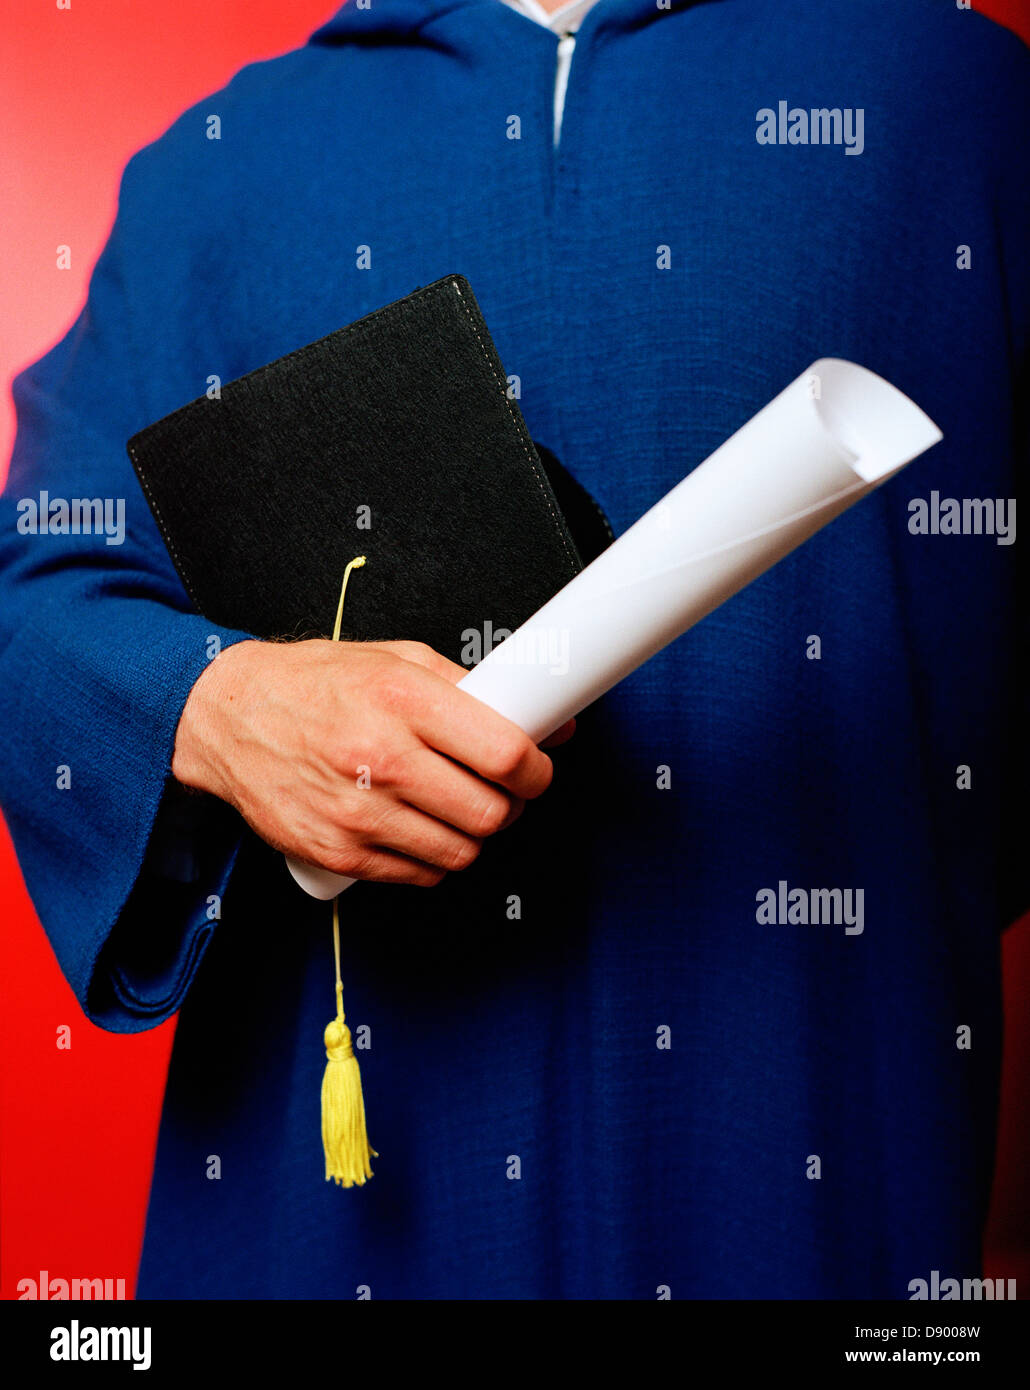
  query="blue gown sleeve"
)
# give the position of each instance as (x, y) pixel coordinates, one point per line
(99, 647)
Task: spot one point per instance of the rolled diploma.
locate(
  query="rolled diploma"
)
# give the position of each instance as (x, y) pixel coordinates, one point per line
(833, 435)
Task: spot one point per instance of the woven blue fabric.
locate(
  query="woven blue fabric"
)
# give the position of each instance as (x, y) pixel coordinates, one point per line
(639, 1167)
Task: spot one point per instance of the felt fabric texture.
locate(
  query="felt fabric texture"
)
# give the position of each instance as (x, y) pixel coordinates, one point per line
(395, 436)
(535, 1139)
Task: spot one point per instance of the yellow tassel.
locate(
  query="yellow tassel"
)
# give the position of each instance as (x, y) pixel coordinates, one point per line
(348, 1153)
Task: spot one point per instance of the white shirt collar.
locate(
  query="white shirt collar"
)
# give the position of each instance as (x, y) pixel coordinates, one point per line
(565, 20)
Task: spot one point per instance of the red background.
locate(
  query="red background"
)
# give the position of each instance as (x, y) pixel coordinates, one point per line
(81, 91)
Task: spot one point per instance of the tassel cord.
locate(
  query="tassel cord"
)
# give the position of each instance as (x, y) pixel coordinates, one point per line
(348, 1153)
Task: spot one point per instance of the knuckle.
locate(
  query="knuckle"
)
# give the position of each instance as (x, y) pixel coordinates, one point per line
(507, 755)
(428, 877)
(366, 864)
(383, 768)
(366, 816)
(489, 817)
(461, 854)
(390, 766)
(392, 687)
(411, 651)
(350, 860)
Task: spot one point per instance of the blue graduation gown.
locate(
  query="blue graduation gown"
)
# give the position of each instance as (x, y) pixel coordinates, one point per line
(620, 1084)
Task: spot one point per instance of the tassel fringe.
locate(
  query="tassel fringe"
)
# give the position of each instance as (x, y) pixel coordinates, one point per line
(348, 1153)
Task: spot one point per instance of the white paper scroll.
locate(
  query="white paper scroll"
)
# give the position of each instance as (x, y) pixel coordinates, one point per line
(830, 437)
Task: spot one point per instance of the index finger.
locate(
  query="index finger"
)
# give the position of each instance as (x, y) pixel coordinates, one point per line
(455, 723)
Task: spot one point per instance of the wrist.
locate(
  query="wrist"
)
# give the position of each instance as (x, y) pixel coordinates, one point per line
(205, 723)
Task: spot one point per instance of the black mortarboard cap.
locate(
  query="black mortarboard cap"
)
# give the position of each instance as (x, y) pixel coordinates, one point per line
(395, 437)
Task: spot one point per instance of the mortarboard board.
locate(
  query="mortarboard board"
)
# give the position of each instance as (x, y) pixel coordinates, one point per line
(396, 435)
